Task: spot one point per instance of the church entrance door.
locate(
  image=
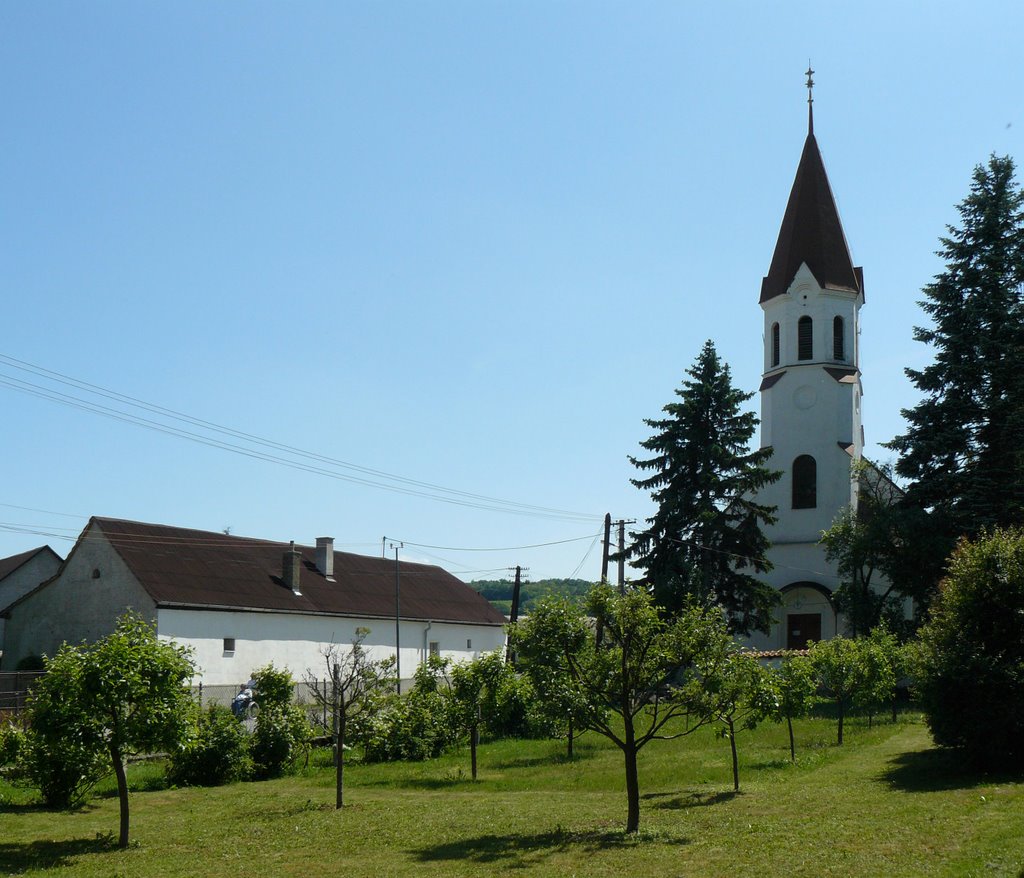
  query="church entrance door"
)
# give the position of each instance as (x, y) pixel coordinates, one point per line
(801, 628)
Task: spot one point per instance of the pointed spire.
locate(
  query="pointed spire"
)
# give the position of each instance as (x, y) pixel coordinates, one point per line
(811, 231)
(810, 99)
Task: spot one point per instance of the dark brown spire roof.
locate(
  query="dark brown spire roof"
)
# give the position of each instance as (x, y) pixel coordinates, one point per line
(811, 232)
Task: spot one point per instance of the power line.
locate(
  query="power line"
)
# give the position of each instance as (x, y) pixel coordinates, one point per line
(402, 484)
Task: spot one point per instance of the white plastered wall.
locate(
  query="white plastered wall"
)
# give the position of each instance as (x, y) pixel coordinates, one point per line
(295, 641)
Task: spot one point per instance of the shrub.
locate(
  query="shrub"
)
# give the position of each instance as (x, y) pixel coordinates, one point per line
(12, 740)
(275, 688)
(281, 735)
(970, 661)
(419, 725)
(217, 752)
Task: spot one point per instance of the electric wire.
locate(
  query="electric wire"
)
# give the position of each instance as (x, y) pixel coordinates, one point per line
(402, 484)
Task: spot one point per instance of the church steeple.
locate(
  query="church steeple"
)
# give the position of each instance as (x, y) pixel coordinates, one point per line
(811, 231)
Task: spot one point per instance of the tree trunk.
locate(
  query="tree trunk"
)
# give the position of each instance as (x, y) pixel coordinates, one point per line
(474, 736)
(894, 705)
(632, 779)
(339, 774)
(122, 792)
(569, 742)
(792, 746)
(735, 761)
(840, 704)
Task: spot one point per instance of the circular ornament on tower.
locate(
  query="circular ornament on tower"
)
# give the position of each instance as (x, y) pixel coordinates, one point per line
(805, 397)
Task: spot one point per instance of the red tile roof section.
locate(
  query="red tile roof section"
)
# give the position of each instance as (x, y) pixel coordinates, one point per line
(182, 567)
(811, 232)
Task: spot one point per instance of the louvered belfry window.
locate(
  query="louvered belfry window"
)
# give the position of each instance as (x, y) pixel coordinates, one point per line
(776, 347)
(805, 482)
(838, 348)
(805, 339)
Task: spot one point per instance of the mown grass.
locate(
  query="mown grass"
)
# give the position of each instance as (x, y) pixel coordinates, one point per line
(886, 803)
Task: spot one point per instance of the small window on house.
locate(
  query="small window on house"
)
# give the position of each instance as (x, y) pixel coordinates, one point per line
(229, 645)
(435, 648)
(469, 643)
(838, 349)
(776, 347)
(805, 339)
(805, 482)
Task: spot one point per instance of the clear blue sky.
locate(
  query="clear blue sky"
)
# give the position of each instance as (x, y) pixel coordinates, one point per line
(471, 244)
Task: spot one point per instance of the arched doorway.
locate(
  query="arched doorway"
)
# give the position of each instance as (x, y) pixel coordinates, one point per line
(808, 614)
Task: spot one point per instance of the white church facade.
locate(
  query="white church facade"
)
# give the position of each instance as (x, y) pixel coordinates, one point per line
(810, 401)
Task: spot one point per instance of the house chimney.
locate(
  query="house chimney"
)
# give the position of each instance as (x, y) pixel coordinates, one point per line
(291, 568)
(325, 557)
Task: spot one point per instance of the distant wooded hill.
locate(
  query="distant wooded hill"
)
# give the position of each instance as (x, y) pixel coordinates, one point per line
(499, 591)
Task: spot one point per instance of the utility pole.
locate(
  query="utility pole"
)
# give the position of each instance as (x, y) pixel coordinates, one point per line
(398, 619)
(622, 556)
(607, 546)
(513, 615)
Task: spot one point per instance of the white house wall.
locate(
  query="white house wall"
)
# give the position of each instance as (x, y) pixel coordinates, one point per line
(93, 590)
(295, 641)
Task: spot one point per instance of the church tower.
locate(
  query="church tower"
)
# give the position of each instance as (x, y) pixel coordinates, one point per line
(810, 398)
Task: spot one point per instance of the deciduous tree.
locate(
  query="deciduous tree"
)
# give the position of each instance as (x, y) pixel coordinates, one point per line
(647, 672)
(124, 694)
(356, 686)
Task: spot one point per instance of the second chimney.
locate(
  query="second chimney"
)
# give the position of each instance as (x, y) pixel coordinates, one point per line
(325, 556)
(291, 567)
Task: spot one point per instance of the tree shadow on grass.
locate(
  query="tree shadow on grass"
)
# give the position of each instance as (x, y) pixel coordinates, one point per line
(551, 759)
(17, 858)
(928, 771)
(524, 851)
(677, 801)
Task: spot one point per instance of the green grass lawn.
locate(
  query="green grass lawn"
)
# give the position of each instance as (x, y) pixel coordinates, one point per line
(885, 803)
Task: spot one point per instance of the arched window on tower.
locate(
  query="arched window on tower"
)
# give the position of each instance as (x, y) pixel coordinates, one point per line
(805, 482)
(776, 348)
(805, 339)
(838, 348)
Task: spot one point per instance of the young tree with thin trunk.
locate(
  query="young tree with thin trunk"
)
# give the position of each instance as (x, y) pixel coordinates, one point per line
(797, 688)
(126, 694)
(743, 694)
(647, 680)
(705, 541)
(355, 687)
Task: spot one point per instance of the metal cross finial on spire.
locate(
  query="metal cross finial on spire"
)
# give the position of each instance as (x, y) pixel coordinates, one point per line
(810, 99)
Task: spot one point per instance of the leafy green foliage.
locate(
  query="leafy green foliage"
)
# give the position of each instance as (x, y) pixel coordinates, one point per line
(962, 450)
(12, 740)
(499, 591)
(124, 694)
(216, 752)
(743, 693)
(647, 671)
(705, 540)
(417, 725)
(852, 672)
(970, 668)
(275, 688)
(796, 688)
(505, 699)
(880, 550)
(279, 739)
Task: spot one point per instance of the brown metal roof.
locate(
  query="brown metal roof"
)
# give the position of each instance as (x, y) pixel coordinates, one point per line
(9, 565)
(811, 232)
(193, 568)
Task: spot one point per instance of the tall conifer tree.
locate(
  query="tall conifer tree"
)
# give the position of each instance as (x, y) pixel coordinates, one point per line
(963, 451)
(705, 540)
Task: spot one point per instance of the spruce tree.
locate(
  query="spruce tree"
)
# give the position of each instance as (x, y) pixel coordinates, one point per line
(963, 451)
(705, 540)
